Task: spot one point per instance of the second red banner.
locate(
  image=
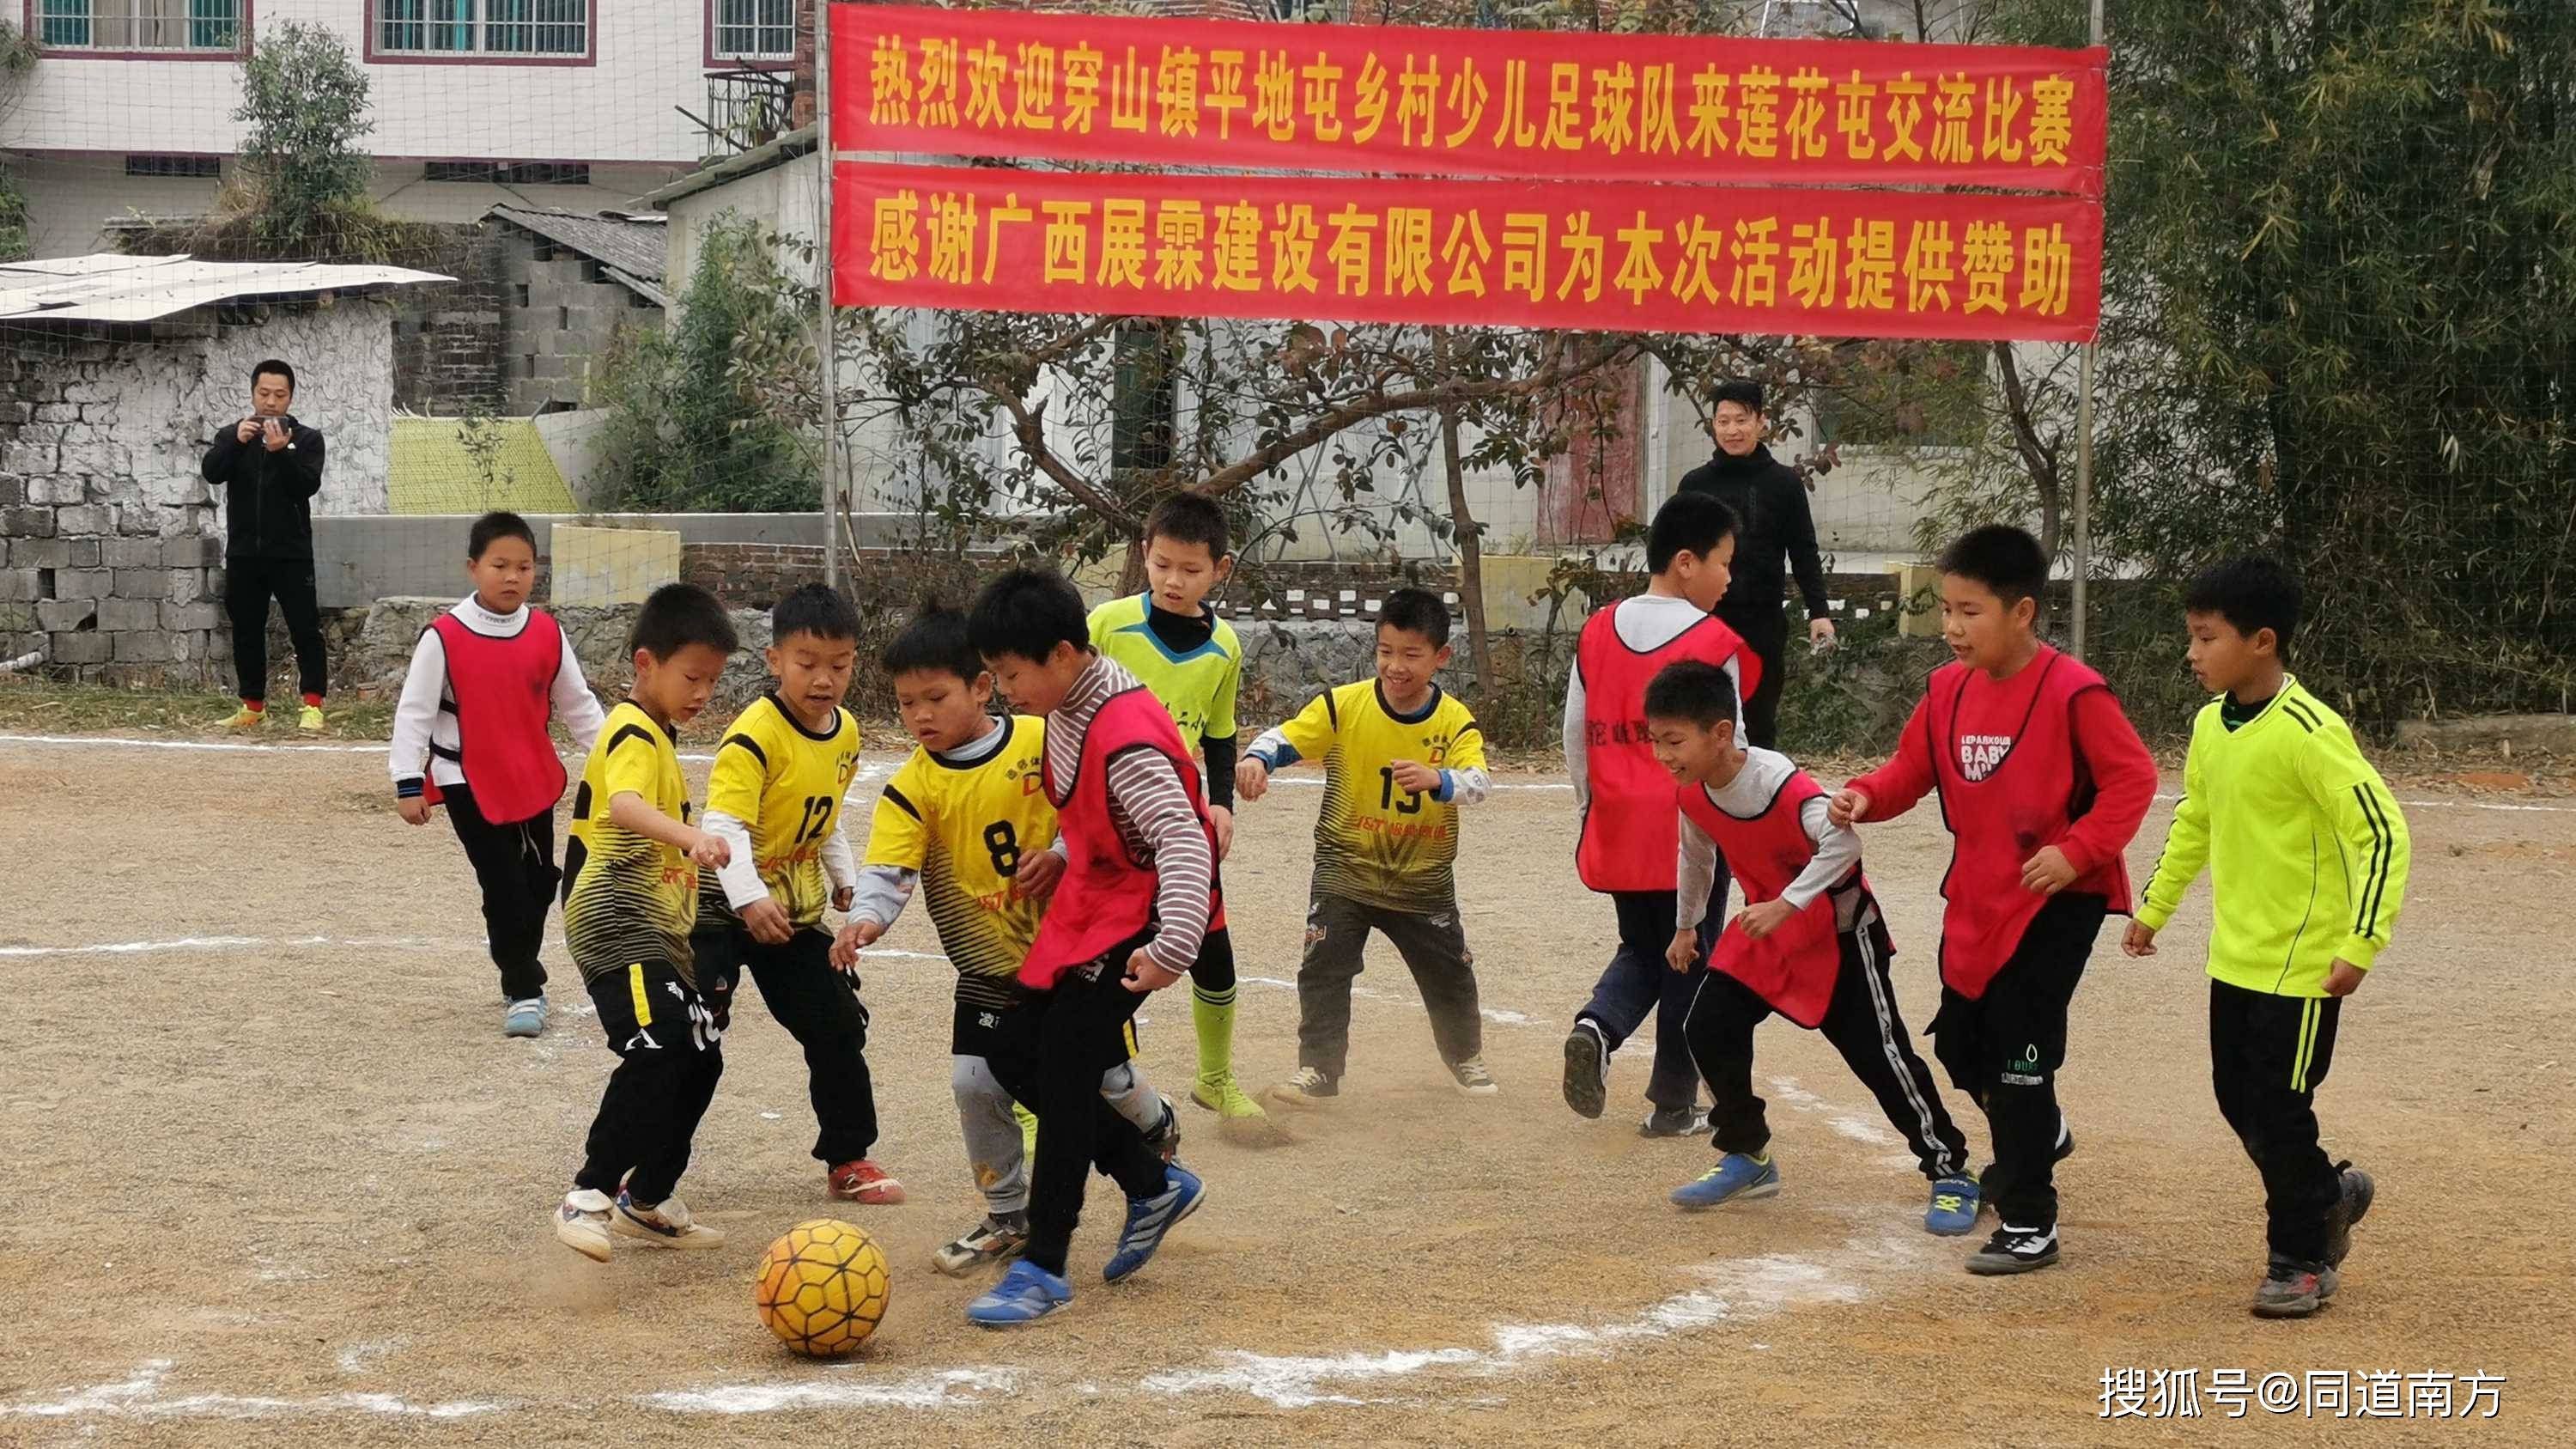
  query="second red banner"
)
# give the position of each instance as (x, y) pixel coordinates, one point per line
(1616, 257)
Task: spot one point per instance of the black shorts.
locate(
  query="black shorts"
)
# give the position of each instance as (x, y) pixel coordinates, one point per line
(976, 1028)
(979, 1030)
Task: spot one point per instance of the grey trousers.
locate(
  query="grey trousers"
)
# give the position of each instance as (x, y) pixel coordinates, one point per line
(995, 1149)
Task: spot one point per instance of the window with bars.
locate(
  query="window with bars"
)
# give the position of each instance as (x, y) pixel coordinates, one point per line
(503, 173)
(538, 29)
(755, 29)
(178, 26)
(204, 168)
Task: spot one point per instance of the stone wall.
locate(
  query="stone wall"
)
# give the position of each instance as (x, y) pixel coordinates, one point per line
(113, 541)
(447, 337)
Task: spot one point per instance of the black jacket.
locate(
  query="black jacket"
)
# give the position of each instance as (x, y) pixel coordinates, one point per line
(1770, 503)
(271, 512)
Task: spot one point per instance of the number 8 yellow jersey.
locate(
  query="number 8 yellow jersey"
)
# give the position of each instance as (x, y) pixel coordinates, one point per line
(966, 828)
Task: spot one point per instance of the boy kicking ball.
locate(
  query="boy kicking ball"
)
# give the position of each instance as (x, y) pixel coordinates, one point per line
(630, 899)
(1810, 945)
(965, 825)
(1128, 918)
(2307, 854)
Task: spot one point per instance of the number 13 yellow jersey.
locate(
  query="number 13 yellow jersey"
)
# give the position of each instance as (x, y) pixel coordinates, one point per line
(966, 828)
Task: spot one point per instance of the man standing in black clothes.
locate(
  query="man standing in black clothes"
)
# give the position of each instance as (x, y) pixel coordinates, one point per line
(1770, 503)
(270, 467)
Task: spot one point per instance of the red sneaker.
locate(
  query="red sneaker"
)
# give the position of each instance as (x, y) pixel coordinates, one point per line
(864, 1181)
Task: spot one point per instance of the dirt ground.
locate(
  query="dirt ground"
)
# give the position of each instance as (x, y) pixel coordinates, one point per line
(279, 1180)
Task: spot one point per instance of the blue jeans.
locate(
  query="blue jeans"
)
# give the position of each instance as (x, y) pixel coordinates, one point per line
(1639, 981)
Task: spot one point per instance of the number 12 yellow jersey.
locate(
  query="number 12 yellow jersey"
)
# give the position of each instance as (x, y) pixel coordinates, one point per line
(966, 828)
(785, 783)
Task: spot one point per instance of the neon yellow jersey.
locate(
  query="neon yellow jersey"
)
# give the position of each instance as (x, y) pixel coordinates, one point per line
(1376, 842)
(785, 783)
(629, 898)
(2307, 851)
(966, 828)
(1198, 687)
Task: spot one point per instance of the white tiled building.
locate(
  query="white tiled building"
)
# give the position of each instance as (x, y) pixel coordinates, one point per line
(577, 104)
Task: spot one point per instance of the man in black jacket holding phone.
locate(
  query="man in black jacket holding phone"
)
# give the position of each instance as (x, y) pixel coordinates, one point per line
(1772, 522)
(270, 465)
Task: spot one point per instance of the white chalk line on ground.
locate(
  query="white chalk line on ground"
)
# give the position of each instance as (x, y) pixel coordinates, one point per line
(1729, 1291)
(948, 1389)
(872, 770)
(141, 1396)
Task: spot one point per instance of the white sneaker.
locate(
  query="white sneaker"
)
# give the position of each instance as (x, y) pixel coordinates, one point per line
(1473, 1079)
(990, 1241)
(581, 1223)
(666, 1224)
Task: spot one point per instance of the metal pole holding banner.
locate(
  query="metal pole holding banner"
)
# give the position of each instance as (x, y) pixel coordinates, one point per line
(830, 359)
(2082, 522)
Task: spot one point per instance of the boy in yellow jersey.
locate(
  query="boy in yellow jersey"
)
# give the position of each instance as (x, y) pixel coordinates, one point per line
(1400, 755)
(2307, 854)
(630, 900)
(1176, 645)
(774, 796)
(967, 823)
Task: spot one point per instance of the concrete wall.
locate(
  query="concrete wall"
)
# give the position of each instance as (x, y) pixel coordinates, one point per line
(559, 314)
(572, 440)
(72, 194)
(113, 540)
(360, 560)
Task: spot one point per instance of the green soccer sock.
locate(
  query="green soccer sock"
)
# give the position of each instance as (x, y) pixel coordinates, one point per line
(1212, 1014)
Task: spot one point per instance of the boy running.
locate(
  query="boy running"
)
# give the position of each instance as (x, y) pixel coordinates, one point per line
(966, 822)
(1138, 891)
(1629, 835)
(1810, 945)
(2307, 854)
(630, 901)
(774, 796)
(489, 673)
(1400, 755)
(1171, 640)
(2042, 782)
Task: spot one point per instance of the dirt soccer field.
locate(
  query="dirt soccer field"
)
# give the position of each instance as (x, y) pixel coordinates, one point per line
(274, 1177)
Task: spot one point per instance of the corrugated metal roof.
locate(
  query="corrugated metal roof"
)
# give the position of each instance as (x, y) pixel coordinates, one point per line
(635, 247)
(112, 287)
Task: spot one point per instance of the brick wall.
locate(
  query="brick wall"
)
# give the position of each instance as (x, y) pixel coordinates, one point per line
(750, 575)
(448, 336)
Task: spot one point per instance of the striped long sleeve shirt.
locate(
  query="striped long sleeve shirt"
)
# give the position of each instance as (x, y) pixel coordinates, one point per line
(1151, 811)
(2306, 850)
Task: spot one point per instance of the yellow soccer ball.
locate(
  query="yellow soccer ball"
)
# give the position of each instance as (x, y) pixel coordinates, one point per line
(822, 1287)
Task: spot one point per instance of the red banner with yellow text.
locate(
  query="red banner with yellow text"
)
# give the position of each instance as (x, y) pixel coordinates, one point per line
(1604, 257)
(1231, 95)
